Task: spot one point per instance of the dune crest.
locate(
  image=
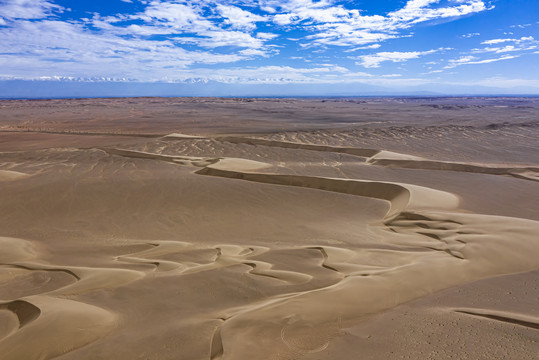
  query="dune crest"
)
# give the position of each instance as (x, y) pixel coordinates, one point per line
(394, 159)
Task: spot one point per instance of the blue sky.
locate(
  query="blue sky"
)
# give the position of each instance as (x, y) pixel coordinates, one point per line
(399, 44)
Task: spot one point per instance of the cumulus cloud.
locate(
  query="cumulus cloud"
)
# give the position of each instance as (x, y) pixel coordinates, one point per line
(69, 50)
(335, 25)
(188, 23)
(239, 18)
(416, 11)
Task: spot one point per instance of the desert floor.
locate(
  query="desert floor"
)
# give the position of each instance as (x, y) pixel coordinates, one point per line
(189, 228)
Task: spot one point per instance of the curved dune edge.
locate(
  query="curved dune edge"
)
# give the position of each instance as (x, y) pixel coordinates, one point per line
(528, 173)
(225, 256)
(88, 278)
(401, 196)
(50, 326)
(398, 160)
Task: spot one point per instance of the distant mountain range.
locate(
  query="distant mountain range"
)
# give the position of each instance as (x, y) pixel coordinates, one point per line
(72, 88)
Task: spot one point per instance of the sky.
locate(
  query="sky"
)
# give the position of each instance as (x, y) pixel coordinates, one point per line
(326, 46)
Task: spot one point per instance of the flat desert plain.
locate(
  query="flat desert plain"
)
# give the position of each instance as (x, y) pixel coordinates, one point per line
(206, 228)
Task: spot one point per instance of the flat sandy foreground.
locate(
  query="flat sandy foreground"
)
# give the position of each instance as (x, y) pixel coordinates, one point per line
(269, 229)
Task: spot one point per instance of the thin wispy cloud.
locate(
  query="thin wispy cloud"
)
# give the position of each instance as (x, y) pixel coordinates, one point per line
(472, 60)
(516, 41)
(469, 35)
(374, 60)
(522, 45)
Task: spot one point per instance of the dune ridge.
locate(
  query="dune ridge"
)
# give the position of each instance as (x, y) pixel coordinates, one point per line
(394, 159)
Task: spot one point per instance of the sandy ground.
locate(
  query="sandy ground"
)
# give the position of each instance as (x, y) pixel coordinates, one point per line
(269, 229)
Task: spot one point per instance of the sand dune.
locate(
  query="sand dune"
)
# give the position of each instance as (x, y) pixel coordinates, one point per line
(291, 245)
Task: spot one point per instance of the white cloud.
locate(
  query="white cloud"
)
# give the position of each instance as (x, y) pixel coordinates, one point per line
(69, 50)
(374, 60)
(460, 61)
(370, 47)
(239, 18)
(174, 17)
(496, 41)
(325, 74)
(486, 61)
(266, 36)
(215, 23)
(171, 40)
(502, 82)
(472, 60)
(28, 9)
(517, 41)
(507, 48)
(188, 20)
(335, 25)
(520, 26)
(219, 38)
(283, 19)
(525, 43)
(469, 35)
(254, 52)
(416, 11)
(264, 75)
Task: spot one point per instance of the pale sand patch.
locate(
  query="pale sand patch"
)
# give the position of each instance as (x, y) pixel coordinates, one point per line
(179, 136)
(8, 175)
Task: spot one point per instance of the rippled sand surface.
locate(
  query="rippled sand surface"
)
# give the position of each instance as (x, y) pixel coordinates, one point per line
(269, 229)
